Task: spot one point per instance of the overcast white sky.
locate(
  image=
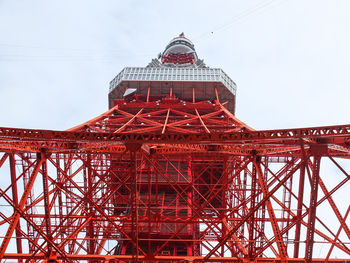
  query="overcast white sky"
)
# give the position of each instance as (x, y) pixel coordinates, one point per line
(289, 58)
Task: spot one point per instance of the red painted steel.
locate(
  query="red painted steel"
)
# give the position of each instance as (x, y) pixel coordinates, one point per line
(160, 179)
(178, 58)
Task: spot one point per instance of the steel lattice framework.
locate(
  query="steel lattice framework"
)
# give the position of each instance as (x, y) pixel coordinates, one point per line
(163, 178)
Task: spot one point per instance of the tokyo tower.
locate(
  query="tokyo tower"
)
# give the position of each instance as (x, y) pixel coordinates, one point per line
(169, 174)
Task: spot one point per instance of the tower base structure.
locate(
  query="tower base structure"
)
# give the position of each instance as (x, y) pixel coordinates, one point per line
(169, 174)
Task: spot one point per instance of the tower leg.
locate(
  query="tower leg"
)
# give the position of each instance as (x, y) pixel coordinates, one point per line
(299, 209)
(312, 209)
(15, 201)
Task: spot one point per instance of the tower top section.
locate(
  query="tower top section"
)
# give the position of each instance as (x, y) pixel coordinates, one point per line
(179, 52)
(176, 73)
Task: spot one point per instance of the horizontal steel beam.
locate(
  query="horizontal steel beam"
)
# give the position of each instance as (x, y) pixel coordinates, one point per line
(328, 134)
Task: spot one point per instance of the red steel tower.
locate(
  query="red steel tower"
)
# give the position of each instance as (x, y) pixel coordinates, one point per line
(169, 174)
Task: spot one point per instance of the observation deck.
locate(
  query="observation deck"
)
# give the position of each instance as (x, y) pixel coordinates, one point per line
(176, 74)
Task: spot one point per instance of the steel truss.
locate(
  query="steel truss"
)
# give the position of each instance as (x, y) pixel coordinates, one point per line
(157, 179)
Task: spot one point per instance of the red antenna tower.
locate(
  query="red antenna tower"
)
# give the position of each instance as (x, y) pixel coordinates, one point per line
(169, 174)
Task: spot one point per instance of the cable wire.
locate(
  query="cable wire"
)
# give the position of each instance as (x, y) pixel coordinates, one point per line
(240, 16)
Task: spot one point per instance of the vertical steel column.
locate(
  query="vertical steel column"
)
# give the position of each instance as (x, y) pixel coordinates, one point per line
(263, 209)
(133, 148)
(91, 210)
(134, 208)
(46, 201)
(223, 212)
(60, 199)
(15, 201)
(191, 227)
(150, 209)
(312, 208)
(251, 241)
(243, 187)
(299, 209)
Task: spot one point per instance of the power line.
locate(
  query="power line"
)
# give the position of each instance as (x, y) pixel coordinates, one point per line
(245, 13)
